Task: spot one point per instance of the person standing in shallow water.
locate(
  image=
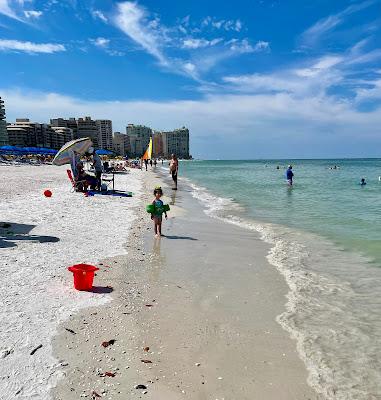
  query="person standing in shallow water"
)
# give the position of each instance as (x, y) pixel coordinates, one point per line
(289, 175)
(174, 169)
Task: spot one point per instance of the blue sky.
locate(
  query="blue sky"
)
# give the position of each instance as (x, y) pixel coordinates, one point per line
(249, 78)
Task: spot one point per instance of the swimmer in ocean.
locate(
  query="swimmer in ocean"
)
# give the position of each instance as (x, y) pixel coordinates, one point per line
(362, 183)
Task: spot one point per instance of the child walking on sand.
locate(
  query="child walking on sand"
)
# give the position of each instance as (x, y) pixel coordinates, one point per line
(159, 210)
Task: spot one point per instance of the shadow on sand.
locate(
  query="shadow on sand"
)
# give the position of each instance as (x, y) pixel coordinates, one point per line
(178, 237)
(11, 233)
(102, 289)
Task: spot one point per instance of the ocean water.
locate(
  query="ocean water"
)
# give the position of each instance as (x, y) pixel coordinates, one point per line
(325, 236)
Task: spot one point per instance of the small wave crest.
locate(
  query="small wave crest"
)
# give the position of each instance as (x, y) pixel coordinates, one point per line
(333, 304)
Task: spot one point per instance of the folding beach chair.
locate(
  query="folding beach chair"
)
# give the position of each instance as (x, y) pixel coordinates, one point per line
(107, 179)
(77, 186)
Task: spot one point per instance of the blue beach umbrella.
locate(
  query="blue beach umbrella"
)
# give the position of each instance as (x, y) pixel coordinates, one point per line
(44, 150)
(104, 152)
(11, 150)
(31, 150)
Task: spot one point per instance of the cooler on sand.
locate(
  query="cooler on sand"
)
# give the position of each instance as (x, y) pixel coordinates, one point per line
(83, 276)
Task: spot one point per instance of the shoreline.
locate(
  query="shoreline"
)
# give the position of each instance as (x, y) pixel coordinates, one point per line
(242, 351)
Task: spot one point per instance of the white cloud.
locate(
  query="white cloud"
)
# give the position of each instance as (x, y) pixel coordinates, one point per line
(33, 14)
(29, 47)
(191, 68)
(227, 50)
(243, 46)
(324, 63)
(313, 34)
(5, 9)
(193, 43)
(97, 14)
(309, 81)
(263, 122)
(132, 20)
(100, 42)
(158, 40)
(227, 25)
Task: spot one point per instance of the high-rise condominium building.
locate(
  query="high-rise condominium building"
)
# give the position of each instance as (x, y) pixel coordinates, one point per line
(120, 143)
(24, 133)
(62, 136)
(81, 127)
(157, 142)
(104, 127)
(3, 125)
(66, 123)
(139, 137)
(176, 142)
(88, 128)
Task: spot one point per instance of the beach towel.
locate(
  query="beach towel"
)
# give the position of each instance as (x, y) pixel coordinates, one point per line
(110, 193)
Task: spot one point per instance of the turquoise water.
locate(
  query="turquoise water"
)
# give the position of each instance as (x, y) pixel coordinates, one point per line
(325, 201)
(325, 239)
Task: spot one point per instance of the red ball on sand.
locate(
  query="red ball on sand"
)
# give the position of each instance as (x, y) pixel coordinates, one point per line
(48, 193)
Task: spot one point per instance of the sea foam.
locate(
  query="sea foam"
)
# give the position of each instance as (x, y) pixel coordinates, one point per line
(333, 304)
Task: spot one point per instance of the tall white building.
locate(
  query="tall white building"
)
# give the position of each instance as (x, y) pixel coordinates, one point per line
(139, 137)
(176, 142)
(3, 125)
(104, 127)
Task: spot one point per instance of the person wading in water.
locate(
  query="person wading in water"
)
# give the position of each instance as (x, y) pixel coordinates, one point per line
(174, 169)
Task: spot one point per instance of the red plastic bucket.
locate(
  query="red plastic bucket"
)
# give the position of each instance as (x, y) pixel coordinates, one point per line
(83, 276)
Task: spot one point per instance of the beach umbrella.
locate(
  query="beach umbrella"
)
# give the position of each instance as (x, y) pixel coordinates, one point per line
(65, 153)
(104, 152)
(44, 150)
(32, 150)
(38, 150)
(11, 150)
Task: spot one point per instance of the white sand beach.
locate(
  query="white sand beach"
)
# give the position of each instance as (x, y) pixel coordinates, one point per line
(193, 317)
(190, 316)
(39, 239)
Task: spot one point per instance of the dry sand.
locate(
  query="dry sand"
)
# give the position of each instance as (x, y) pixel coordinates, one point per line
(39, 238)
(193, 317)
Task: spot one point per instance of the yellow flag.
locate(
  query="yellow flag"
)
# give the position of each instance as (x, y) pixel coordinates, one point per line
(148, 154)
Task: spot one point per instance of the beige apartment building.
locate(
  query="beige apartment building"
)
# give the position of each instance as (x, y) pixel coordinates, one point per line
(24, 133)
(120, 143)
(176, 142)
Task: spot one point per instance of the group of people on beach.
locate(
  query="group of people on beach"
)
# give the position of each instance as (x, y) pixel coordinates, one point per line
(80, 176)
(151, 162)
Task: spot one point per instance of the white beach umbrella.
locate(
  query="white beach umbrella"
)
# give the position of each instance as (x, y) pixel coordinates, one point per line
(65, 153)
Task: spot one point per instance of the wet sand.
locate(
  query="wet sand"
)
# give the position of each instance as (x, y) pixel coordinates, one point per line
(193, 316)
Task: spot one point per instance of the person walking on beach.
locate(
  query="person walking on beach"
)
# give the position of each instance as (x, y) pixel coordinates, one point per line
(146, 163)
(289, 175)
(159, 210)
(174, 169)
